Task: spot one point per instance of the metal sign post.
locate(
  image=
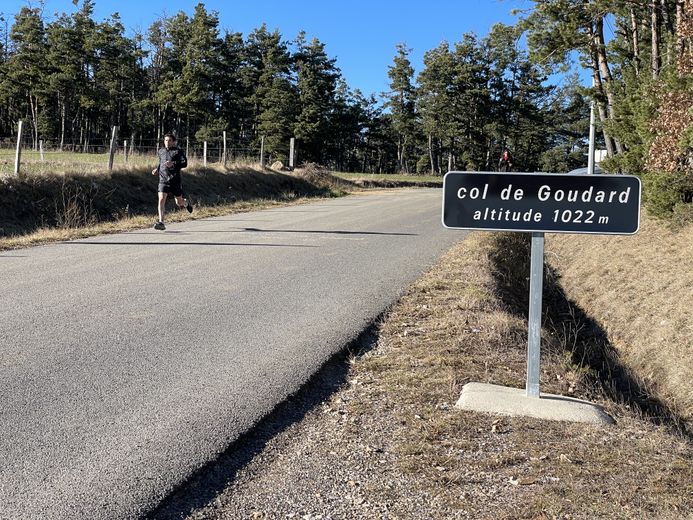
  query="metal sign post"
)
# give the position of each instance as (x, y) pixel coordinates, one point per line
(536, 286)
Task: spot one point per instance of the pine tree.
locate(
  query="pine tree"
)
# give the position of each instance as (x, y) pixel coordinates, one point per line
(347, 121)
(233, 96)
(84, 29)
(198, 88)
(168, 38)
(113, 75)
(520, 98)
(473, 110)
(24, 73)
(401, 101)
(274, 97)
(555, 29)
(316, 79)
(566, 136)
(63, 57)
(435, 101)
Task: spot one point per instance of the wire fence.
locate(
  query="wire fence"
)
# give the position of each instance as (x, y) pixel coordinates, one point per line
(50, 155)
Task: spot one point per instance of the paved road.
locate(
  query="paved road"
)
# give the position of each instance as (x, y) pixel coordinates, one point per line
(127, 361)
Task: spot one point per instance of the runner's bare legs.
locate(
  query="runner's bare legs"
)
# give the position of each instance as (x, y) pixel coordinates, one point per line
(162, 205)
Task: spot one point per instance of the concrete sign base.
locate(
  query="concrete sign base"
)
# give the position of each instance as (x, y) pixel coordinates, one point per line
(501, 400)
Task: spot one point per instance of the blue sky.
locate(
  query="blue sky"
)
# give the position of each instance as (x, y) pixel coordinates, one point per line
(360, 34)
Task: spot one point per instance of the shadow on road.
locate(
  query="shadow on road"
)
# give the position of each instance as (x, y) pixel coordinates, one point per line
(332, 232)
(102, 243)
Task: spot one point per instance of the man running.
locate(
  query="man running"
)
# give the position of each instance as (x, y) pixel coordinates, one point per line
(171, 160)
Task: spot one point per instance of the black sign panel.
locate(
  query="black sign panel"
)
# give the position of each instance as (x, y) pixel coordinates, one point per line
(542, 202)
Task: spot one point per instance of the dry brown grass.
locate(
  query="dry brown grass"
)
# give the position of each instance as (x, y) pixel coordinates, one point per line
(460, 323)
(47, 235)
(640, 289)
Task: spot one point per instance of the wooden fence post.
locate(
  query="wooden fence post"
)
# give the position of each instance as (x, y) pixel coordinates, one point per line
(112, 150)
(262, 152)
(18, 153)
(204, 154)
(224, 160)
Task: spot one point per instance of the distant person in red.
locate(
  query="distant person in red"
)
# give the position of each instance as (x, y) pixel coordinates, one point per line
(171, 160)
(505, 164)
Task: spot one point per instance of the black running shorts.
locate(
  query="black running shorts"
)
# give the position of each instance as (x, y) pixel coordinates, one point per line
(173, 187)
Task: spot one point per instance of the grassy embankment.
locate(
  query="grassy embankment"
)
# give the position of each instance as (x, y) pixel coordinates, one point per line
(71, 195)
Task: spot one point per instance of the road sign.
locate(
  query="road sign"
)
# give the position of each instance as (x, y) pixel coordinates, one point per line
(542, 202)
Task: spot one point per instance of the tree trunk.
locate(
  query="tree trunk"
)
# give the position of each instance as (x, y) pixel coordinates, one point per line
(635, 42)
(668, 26)
(597, 82)
(680, 45)
(159, 124)
(405, 158)
(666, 19)
(430, 153)
(488, 155)
(654, 27)
(605, 73)
(451, 154)
(33, 103)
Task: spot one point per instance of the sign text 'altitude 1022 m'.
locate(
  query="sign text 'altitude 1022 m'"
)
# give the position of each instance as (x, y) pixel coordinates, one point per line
(542, 202)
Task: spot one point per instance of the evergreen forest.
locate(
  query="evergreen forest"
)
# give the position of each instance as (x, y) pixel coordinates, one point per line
(71, 78)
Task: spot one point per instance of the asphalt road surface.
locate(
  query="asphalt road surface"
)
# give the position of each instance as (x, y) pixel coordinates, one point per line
(128, 361)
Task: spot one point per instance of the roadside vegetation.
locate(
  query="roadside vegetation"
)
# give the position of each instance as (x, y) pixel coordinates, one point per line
(71, 79)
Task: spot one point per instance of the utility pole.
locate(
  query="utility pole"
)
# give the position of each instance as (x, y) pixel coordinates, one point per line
(590, 150)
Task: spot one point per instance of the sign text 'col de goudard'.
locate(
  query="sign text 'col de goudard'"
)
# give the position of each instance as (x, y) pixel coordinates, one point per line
(542, 202)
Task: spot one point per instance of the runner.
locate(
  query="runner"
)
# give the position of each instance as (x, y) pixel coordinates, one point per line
(171, 160)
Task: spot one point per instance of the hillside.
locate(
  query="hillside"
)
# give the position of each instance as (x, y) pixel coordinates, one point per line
(43, 207)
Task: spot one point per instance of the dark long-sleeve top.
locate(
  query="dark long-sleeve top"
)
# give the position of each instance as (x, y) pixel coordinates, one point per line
(177, 156)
